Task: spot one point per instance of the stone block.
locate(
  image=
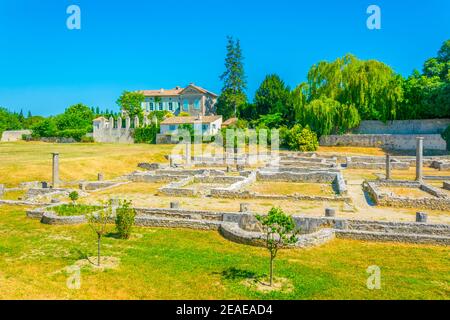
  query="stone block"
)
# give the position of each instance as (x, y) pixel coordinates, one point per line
(330, 212)
(421, 217)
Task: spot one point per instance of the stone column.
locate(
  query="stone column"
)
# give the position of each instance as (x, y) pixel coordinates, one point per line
(100, 176)
(174, 205)
(55, 170)
(419, 158)
(388, 167)
(188, 154)
(2, 189)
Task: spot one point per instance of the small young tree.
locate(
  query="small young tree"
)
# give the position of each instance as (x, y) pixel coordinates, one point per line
(74, 196)
(98, 222)
(280, 231)
(125, 219)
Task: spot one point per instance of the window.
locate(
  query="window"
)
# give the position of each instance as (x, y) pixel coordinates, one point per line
(214, 126)
(204, 127)
(172, 127)
(160, 106)
(197, 104)
(151, 106)
(170, 106)
(186, 105)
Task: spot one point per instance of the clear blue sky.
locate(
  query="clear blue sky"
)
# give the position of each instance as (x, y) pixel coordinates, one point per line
(137, 44)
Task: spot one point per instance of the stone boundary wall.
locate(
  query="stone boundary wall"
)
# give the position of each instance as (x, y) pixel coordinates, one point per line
(53, 219)
(152, 177)
(388, 141)
(177, 188)
(239, 228)
(446, 185)
(13, 135)
(232, 232)
(425, 126)
(441, 202)
(392, 237)
(100, 185)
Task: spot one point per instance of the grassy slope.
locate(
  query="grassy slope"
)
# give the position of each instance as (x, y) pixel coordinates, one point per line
(30, 161)
(188, 264)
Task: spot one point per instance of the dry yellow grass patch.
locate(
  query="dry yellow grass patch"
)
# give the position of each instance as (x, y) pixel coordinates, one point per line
(289, 188)
(31, 161)
(344, 151)
(407, 192)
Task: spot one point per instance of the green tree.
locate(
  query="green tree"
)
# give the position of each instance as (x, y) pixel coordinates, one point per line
(371, 86)
(280, 231)
(234, 81)
(98, 222)
(272, 96)
(77, 116)
(131, 103)
(8, 121)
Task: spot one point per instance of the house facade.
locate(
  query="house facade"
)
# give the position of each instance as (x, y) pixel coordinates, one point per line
(207, 125)
(192, 99)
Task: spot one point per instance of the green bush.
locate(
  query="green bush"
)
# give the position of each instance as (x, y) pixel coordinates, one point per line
(76, 134)
(125, 219)
(74, 209)
(74, 196)
(146, 134)
(446, 136)
(301, 139)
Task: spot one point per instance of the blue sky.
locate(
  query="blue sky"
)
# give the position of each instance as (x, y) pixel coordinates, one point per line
(137, 44)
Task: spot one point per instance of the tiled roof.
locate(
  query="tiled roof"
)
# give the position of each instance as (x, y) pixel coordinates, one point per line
(229, 122)
(173, 92)
(190, 120)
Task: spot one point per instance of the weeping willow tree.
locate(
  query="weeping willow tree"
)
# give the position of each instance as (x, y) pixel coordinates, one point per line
(326, 116)
(372, 87)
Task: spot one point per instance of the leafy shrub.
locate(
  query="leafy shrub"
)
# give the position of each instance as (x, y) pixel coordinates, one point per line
(146, 134)
(74, 196)
(125, 219)
(301, 139)
(76, 134)
(74, 209)
(446, 136)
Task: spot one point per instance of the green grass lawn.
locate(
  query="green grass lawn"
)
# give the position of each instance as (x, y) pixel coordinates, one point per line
(187, 264)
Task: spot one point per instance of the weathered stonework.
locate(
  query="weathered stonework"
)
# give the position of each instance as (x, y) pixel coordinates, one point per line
(438, 201)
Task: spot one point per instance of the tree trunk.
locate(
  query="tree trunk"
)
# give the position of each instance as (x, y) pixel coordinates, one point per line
(98, 249)
(271, 270)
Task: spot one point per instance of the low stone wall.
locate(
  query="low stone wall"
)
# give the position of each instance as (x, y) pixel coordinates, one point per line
(232, 232)
(14, 135)
(51, 218)
(147, 221)
(177, 188)
(388, 141)
(100, 185)
(440, 201)
(243, 227)
(392, 237)
(152, 177)
(446, 185)
(422, 126)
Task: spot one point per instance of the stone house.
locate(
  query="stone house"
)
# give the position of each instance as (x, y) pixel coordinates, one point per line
(191, 99)
(207, 125)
